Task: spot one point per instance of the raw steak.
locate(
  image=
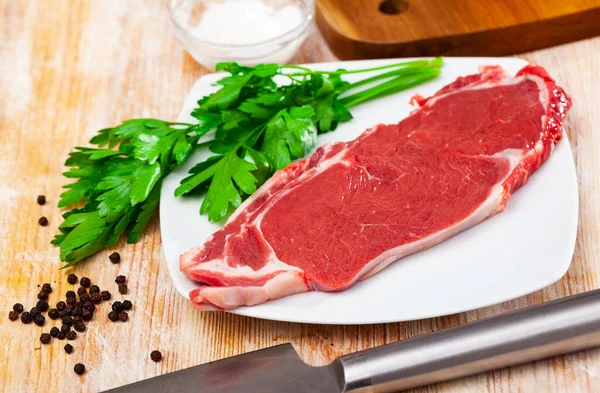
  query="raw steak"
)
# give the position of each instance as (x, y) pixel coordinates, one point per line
(351, 209)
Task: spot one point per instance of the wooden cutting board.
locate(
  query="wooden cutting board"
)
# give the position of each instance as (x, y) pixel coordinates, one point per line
(360, 29)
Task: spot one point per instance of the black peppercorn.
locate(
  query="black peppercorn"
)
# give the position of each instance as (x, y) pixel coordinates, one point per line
(70, 294)
(26, 317)
(80, 326)
(94, 289)
(42, 305)
(43, 221)
(95, 298)
(85, 282)
(84, 298)
(72, 279)
(123, 317)
(156, 356)
(41, 200)
(115, 257)
(18, 308)
(65, 328)
(54, 331)
(86, 315)
(68, 348)
(42, 295)
(46, 287)
(123, 289)
(77, 309)
(127, 305)
(68, 320)
(60, 335)
(113, 316)
(69, 309)
(61, 305)
(45, 338)
(81, 291)
(120, 279)
(79, 369)
(13, 315)
(105, 295)
(77, 320)
(34, 311)
(72, 335)
(39, 320)
(53, 313)
(63, 313)
(89, 306)
(117, 306)
(71, 301)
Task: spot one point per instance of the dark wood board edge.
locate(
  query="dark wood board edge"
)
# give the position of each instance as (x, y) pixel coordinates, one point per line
(498, 42)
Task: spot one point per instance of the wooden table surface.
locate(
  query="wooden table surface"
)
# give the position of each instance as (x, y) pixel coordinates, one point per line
(71, 67)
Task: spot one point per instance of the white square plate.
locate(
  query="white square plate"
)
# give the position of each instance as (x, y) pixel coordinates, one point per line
(521, 250)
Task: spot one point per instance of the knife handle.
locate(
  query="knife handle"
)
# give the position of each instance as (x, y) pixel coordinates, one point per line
(553, 328)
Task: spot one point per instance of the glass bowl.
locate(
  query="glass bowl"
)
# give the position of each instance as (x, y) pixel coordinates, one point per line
(208, 48)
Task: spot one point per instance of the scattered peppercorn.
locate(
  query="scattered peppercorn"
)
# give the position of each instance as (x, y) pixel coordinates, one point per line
(46, 287)
(26, 317)
(63, 313)
(86, 315)
(95, 298)
(123, 289)
(61, 305)
(81, 291)
(113, 316)
(13, 315)
(54, 331)
(123, 317)
(80, 326)
(42, 305)
(42, 295)
(43, 221)
(41, 200)
(89, 306)
(53, 313)
(117, 306)
(77, 320)
(77, 310)
(72, 335)
(45, 338)
(34, 311)
(65, 328)
(127, 305)
(68, 320)
(39, 320)
(84, 298)
(70, 294)
(79, 369)
(115, 257)
(72, 279)
(94, 289)
(105, 295)
(68, 348)
(120, 279)
(60, 336)
(71, 301)
(18, 308)
(156, 356)
(69, 309)
(85, 282)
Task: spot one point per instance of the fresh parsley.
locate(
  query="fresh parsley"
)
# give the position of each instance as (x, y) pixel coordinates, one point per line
(263, 118)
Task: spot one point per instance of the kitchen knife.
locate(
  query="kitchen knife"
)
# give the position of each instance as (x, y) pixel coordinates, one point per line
(558, 327)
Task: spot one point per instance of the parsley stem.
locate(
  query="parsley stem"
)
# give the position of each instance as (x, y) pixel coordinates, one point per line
(398, 72)
(392, 86)
(435, 63)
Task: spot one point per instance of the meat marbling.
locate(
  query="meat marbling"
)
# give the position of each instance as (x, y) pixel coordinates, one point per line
(351, 209)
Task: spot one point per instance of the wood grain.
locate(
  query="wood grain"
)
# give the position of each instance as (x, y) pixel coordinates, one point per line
(403, 28)
(71, 67)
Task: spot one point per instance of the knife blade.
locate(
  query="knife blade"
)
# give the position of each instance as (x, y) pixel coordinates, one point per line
(554, 328)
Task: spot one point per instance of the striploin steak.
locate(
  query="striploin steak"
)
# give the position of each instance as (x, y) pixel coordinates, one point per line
(351, 209)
